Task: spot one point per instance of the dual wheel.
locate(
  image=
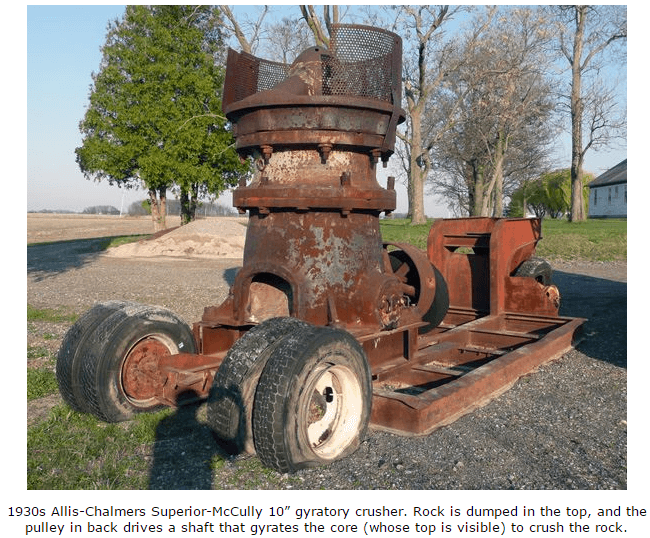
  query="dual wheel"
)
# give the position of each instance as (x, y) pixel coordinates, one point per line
(108, 360)
(296, 394)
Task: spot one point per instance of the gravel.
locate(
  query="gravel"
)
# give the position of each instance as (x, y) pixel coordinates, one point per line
(563, 426)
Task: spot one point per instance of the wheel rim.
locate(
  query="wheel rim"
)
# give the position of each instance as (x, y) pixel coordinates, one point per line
(333, 406)
(141, 379)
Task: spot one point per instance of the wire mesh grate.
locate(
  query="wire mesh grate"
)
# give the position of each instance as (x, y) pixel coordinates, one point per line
(361, 62)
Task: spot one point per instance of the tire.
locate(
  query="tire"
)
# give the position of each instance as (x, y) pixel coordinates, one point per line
(123, 348)
(74, 346)
(230, 402)
(313, 400)
(536, 268)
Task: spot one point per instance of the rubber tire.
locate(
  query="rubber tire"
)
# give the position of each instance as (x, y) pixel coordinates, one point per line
(230, 402)
(286, 388)
(536, 268)
(74, 346)
(109, 345)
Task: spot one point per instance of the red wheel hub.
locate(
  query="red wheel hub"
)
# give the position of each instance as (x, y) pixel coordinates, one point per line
(141, 378)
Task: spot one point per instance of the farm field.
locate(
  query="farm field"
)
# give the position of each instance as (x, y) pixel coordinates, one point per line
(47, 227)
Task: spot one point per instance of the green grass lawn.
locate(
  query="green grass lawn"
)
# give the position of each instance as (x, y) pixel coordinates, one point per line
(598, 240)
(401, 231)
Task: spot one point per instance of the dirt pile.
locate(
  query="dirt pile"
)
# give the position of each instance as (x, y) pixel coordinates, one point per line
(209, 238)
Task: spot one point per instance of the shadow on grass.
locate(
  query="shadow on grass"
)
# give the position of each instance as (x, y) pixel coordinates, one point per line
(50, 259)
(183, 452)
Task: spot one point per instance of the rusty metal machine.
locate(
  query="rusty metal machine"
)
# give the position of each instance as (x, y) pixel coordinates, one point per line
(327, 328)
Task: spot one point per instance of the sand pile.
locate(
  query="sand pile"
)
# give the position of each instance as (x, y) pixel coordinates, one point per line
(221, 237)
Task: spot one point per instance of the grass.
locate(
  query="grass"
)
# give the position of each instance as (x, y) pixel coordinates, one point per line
(596, 240)
(401, 231)
(111, 242)
(101, 243)
(69, 450)
(50, 315)
(41, 382)
(75, 451)
(37, 352)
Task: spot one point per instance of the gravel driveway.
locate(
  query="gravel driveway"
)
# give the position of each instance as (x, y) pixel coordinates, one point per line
(561, 427)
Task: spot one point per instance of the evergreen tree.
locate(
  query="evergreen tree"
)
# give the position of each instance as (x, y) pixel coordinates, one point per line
(154, 116)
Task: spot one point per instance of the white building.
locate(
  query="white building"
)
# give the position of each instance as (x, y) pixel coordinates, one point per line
(608, 193)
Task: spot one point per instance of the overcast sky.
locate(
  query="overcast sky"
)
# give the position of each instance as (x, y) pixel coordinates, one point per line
(63, 49)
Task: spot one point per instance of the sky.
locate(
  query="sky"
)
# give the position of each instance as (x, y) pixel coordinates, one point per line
(63, 49)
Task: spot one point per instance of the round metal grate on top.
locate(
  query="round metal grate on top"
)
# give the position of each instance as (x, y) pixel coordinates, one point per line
(361, 61)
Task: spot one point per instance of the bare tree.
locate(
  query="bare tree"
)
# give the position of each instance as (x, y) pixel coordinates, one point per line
(422, 24)
(585, 34)
(283, 40)
(429, 57)
(321, 29)
(500, 114)
(246, 29)
(286, 39)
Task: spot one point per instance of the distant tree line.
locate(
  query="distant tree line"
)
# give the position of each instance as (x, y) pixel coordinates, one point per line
(174, 207)
(101, 210)
(143, 207)
(52, 211)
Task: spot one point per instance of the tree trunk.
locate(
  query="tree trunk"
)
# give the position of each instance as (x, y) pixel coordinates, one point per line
(186, 218)
(155, 210)
(479, 192)
(500, 155)
(162, 218)
(188, 205)
(577, 109)
(489, 194)
(523, 199)
(409, 194)
(418, 170)
(497, 200)
(577, 197)
(470, 182)
(418, 216)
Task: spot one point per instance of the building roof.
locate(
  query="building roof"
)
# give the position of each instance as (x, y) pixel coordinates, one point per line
(615, 175)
